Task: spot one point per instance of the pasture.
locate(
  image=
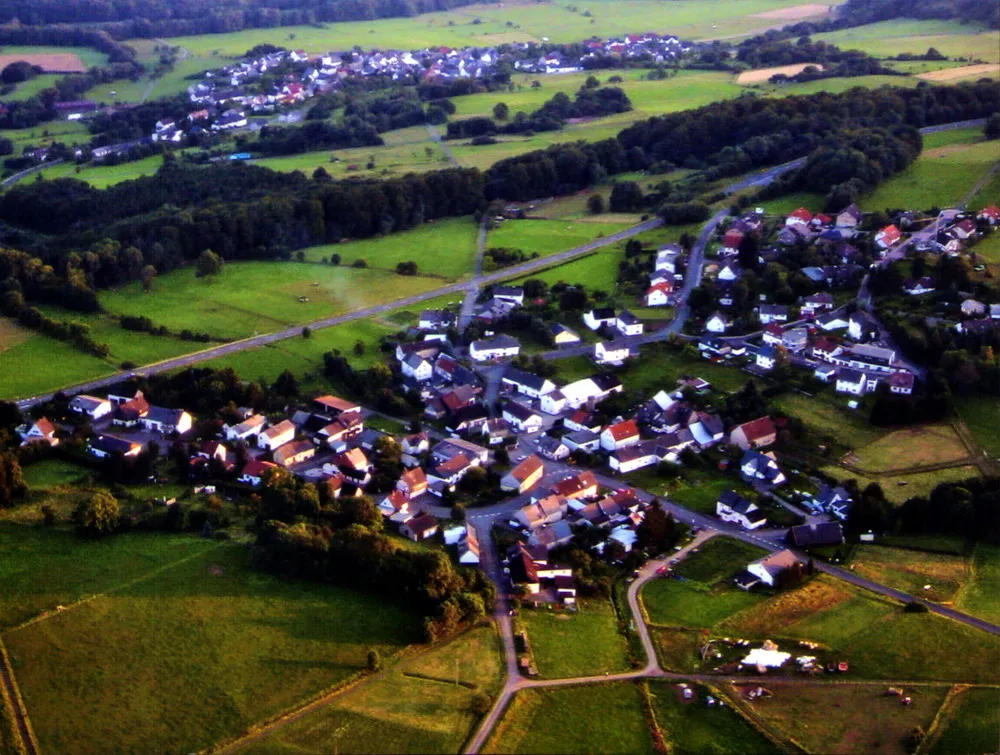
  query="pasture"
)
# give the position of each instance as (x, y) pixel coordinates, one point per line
(888, 38)
(38, 364)
(102, 176)
(585, 642)
(899, 488)
(595, 271)
(692, 726)
(545, 237)
(248, 298)
(848, 719)
(913, 571)
(595, 718)
(968, 723)
(420, 705)
(197, 654)
(980, 413)
(980, 596)
(828, 419)
(911, 447)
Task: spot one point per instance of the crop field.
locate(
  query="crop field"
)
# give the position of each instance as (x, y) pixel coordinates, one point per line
(899, 488)
(962, 72)
(53, 59)
(911, 447)
(846, 719)
(205, 634)
(913, 571)
(889, 38)
(445, 248)
(420, 706)
(222, 305)
(39, 364)
(760, 75)
(980, 597)
(968, 723)
(585, 642)
(692, 726)
(596, 718)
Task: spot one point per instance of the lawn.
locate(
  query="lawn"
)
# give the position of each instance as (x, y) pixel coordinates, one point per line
(221, 307)
(53, 473)
(969, 723)
(197, 654)
(899, 488)
(692, 727)
(889, 38)
(846, 719)
(102, 176)
(981, 597)
(445, 248)
(981, 413)
(39, 364)
(582, 643)
(545, 237)
(597, 271)
(916, 446)
(596, 718)
(672, 603)
(913, 571)
(828, 420)
(415, 707)
(717, 560)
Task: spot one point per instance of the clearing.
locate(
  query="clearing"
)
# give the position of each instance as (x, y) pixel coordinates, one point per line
(585, 642)
(39, 364)
(545, 237)
(597, 718)
(761, 75)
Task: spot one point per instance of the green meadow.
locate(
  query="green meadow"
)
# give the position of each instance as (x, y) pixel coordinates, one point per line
(546, 237)
(37, 364)
(889, 38)
(584, 642)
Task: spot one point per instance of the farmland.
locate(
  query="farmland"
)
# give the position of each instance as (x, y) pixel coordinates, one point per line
(913, 571)
(980, 597)
(889, 38)
(898, 488)
(206, 629)
(546, 237)
(53, 59)
(847, 718)
(911, 447)
(969, 723)
(585, 642)
(604, 718)
(45, 364)
(827, 419)
(421, 705)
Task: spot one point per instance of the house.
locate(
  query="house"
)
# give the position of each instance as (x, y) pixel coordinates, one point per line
(513, 294)
(816, 534)
(412, 483)
(718, 323)
(416, 444)
(888, 237)
(769, 313)
(849, 217)
(548, 510)
(166, 421)
(990, 214)
(658, 295)
(103, 446)
(772, 334)
(668, 259)
(801, 216)
(499, 347)
(833, 500)
(395, 506)
(755, 434)
(420, 527)
(581, 486)
(552, 448)
(91, 406)
(563, 336)
(760, 467)
(730, 271)
(527, 383)
(901, 383)
(417, 368)
(734, 508)
(706, 429)
(213, 449)
(294, 452)
(276, 436)
(862, 327)
(768, 569)
(825, 373)
(628, 324)
(816, 303)
(449, 448)
(524, 476)
(582, 440)
(334, 406)
(973, 308)
(795, 339)
(851, 381)
(595, 319)
(39, 431)
(766, 358)
(963, 229)
(731, 241)
(832, 321)
(246, 429)
(638, 456)
(129, 412)
(914, 287)
(620, 435)
(611, 352)
(468, 547)
(521, 418)
(253, 472)
(436, 320)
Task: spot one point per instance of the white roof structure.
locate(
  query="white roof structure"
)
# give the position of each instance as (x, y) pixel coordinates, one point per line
(766, 658)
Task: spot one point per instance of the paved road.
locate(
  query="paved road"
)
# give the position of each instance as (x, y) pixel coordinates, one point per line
(472, 293)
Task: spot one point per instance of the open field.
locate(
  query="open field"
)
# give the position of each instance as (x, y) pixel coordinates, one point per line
(981, 413)
(221, 306)
(197, 654)
(415, 707)
(847, 719)
(546, 237)
(693, 727)
(827, 419)
(595, 271)
(911, 447)
(760, 75)
(12, 334)
(51, 473)
(913, 571)
(969, 723)
(889, 38)
(597, 718)
(981, 597)
(51, 59)
(103, 176)
(446, 248)
(581, 643)
(899, 488)
(39, 363)
(961, 72)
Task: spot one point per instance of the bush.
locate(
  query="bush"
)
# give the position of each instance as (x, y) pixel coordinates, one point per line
(915, 606)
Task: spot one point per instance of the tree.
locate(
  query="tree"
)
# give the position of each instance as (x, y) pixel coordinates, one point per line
(97, 515)
(595, 204)
(501, 111)
(359, 348)
(12, 485)
(591, 83)
(992, 128)
(208, 263)
(147, 275)
(374, 660)
(626, 196)
(307, 332)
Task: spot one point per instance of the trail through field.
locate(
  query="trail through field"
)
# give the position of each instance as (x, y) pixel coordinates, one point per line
(11, 691)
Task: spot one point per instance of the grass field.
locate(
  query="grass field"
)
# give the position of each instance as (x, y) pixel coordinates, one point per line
(582, 643)
(546, 237)
(897, 36)
(51, 473)
(980, 597)
(597, 718)
(445, 248)
(597, 271)
(829, 420)
(899, 488)
(913, 571)
(847, 719)
(87, 55)
(102, 176)
(911, 447)
(969, 723)
(39, 363)
(693, 727)
(415, 707)
(981, 413)
(223, 306)
(195, 653)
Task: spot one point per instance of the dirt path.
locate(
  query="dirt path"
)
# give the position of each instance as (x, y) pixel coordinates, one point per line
(24, 730)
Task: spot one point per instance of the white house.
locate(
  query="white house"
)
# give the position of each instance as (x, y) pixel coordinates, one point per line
(620, 435)
(862, 326)
(770, 567)
(417, 368)
(718, 323)
(767, 357)
(563, 336)
(760, 467)
(277, 436)
(730, 272)
(248, 428)
(165, 421)
(253, 472)
(500, 347)
(658, 294)
(522, 418)
(631, 458)
(736, 509)
(527, 383)
(628, 324)
(595, 319)
(39, 431)
(773, 313)
(92, 406)
(851, 381)
(611, 352)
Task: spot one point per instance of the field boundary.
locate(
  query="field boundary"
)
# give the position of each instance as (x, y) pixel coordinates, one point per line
(942, 713)
(749, 714)
(23, 728)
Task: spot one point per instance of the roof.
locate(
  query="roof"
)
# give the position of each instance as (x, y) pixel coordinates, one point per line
(164, 416)
(414, 478)
(775, 562)
(453, 465)
(623, 430)
(294, 448)
(279, 429)
(603, 313)
(45, 427)
(573, 486)
(498, 342)
(605, 381)
(758, 428)
(112, 444)
(519, 411)
(354, 458)
(338, 404)
(530, 466)
(736, 502)
(558, 329)
(628, 318)
(256, 467)
(818, 533)
(802, 213)
(87, 403)
(527, 379)
(421, 524)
